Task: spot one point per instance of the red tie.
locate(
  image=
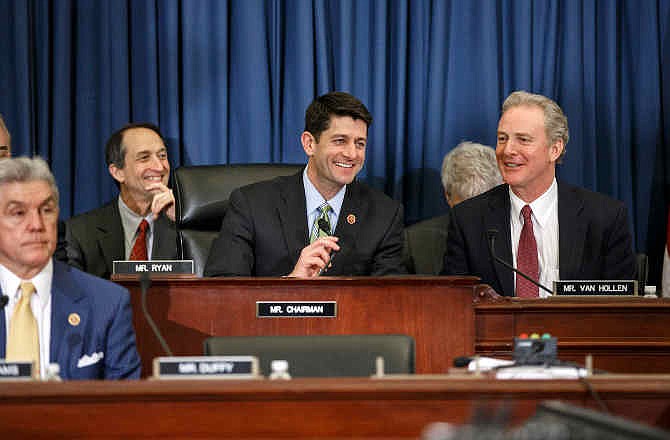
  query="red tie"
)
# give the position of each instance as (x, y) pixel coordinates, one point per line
(526, 258)
(139, 251)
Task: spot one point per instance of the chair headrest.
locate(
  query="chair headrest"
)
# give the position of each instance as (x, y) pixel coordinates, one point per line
(202, 191)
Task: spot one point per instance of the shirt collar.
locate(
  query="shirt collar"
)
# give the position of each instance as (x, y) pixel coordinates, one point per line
(131, 220)
(42, 281)
(541, 206)
(314, 199)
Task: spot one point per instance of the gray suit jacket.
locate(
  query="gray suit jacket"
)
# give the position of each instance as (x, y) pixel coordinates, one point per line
(265, 228)
(425, 246)
(93, 240)
(594, 237)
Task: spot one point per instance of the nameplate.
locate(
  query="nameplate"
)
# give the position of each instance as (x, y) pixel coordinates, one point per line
(153, 267)
(595, 288)
(206, 367)
(296, 309)
(16, 370)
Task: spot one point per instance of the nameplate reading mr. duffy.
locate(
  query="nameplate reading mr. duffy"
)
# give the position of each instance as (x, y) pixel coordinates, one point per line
(206, 367)
(595, 288)
(154, 267)
(296, 309)
(16, 370)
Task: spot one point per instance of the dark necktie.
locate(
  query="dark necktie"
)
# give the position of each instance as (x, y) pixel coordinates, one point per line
(323, 216)
(139, 251)
(526, 259)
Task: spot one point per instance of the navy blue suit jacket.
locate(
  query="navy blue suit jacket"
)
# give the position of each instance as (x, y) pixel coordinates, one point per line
(593, 234)
(105, 327)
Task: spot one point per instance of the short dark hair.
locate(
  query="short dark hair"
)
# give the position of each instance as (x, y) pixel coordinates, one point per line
(317, 116)
(115, 151)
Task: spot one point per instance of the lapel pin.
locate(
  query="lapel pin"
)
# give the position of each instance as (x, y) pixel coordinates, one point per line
(351, 219)
(74, 319)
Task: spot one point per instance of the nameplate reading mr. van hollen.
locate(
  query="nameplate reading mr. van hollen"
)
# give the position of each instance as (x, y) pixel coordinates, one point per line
(595, 288)
(296, 309)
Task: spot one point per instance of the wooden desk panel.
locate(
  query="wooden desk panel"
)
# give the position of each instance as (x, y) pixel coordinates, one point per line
(436, 311)
(625, 335)
(306, 408)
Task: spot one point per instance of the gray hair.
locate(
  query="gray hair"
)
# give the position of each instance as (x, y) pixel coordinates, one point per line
(4, 127)
(26, 169)
(555, 122)
(469, 170)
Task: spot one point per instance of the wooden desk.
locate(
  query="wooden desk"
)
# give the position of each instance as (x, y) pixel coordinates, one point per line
(436, 311)
(624, 335)
(306, 408)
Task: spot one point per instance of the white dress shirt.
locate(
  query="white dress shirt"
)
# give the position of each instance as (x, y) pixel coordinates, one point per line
(545, 229)
(40, 304)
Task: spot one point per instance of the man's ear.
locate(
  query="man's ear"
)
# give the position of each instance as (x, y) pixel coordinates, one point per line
(308, 142)
(556, 150)
(117, 173)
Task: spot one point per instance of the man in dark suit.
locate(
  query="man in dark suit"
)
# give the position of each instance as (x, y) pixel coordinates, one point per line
(467, 170)
(547, 229)
(139, 224)
(55, 313)
(294, 225)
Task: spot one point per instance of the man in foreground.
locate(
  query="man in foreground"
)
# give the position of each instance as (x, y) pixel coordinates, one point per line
(55, 313)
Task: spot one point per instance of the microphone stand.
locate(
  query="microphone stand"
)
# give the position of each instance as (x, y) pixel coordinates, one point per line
(492, 233)
(145, 283)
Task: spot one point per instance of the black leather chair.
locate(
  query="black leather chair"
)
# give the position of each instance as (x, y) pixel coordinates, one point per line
(201, 197)
(322, 355)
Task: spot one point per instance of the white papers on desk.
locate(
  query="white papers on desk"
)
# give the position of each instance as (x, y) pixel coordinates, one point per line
(487, 364)
(540, 372)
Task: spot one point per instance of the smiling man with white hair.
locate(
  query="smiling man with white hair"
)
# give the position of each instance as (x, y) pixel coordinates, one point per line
(547, 229)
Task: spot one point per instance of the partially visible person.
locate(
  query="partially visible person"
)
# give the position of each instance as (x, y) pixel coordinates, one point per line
(5, 140)
(56, 313)
(294, 225)
(468, 170)
(547, 229)
(139, 224)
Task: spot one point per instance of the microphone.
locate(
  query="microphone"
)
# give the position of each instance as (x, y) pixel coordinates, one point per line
(325, 227)
(462, 361)
(145, 283)
(4, 299)
(492, 233)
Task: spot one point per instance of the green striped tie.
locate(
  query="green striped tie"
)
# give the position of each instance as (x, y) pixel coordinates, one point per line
(317, 232)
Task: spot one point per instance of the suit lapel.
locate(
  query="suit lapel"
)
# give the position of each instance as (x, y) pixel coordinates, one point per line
(499, 219)
(571, 232)
(68, 316)
(293, 214)
(352, 214)
(110, 235)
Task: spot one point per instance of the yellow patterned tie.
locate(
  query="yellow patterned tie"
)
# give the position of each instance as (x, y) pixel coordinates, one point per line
(23, 342)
